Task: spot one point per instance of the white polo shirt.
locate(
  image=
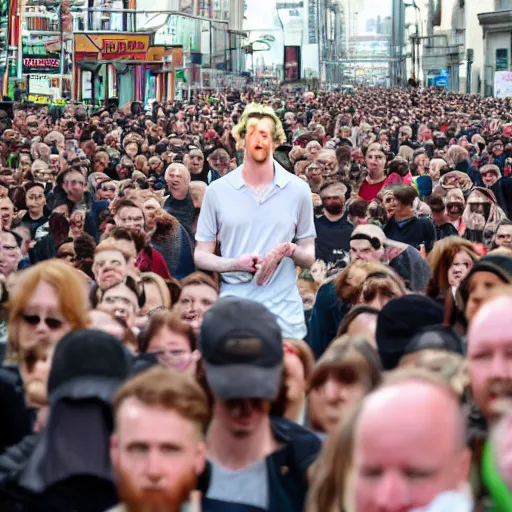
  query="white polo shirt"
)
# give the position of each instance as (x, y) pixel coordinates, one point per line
(244, 223)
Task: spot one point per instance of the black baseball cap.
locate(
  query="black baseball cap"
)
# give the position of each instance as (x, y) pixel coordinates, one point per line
(242, 350)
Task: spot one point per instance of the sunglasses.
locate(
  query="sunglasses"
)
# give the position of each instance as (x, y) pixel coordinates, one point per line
(51, 323)
(32, 125)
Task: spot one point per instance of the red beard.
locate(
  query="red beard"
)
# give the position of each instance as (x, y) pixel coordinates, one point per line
(155, 500)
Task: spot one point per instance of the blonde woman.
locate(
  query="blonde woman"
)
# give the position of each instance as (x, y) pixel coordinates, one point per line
(48, 301)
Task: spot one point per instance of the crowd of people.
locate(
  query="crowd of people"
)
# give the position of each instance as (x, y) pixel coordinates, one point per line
(258, 300)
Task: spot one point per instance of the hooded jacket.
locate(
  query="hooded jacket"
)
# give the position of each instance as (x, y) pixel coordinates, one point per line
(67, 465)
(493, 214)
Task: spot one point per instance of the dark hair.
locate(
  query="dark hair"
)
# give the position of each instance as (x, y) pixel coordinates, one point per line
(406, 194)
(17, 238)
(436, 203)
(445, 169)
(130, 235)
(398, 165)
(125, 203)
(357, 208)
(84, 246)
(31, 185)
(129, 282)
(504, 222)
(353, 314)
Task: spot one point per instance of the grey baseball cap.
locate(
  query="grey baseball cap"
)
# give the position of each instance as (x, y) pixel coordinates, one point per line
(242, 350)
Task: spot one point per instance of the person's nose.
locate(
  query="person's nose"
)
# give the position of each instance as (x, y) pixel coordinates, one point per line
(478, 294)
(499, 367)
(153, 469)
(41, 327)
(392, 494)
(332, 391)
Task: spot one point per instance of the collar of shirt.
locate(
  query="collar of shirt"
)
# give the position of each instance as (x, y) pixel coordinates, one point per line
(281, 177)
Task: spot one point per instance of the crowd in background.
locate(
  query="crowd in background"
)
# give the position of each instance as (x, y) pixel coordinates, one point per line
(132, 372)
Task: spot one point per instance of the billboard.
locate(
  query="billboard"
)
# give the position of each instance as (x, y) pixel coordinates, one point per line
(292, 63)
(503, 84)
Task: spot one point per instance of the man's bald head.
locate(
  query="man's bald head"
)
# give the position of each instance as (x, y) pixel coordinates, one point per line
(489, 353)
(409, 444)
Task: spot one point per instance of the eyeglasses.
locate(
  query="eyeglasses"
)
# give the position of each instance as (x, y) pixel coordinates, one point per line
(175, 359)
(51, 323)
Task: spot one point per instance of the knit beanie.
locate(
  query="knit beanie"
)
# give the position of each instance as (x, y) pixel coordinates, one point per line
(497, 264)
(399, 320)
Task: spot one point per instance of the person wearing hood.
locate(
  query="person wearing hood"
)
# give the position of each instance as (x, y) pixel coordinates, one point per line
(497, 154)
(481, 215)
(500, 185)
(87, 368)
(454, 207)
(487, 274)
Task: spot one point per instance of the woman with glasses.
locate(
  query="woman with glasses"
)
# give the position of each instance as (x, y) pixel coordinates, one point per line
(172, 341)
(503, 236)
(48, 300)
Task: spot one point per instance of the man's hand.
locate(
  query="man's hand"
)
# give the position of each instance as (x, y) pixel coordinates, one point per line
(272, 260)
(247, 263)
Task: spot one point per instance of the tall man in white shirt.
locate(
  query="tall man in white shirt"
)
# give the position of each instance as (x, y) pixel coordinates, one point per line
(261, 217)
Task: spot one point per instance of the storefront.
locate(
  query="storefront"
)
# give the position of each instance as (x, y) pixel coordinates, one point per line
(127, 66)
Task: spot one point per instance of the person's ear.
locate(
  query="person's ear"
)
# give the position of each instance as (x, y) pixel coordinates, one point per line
(114, 451)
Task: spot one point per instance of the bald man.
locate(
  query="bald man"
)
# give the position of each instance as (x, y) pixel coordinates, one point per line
(490, 354)
(409, 445)
(179, 203)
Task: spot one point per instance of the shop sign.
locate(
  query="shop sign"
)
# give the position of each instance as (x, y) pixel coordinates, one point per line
(120, 48)
(104, 47)
(39, 64)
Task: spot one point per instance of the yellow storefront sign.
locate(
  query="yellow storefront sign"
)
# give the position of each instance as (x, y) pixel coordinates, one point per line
(101, 47)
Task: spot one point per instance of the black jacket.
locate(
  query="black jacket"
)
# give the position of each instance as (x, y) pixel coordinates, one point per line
(66, 467)
(286, 469)
(414, 231)
(503, 191)
(17, 419)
